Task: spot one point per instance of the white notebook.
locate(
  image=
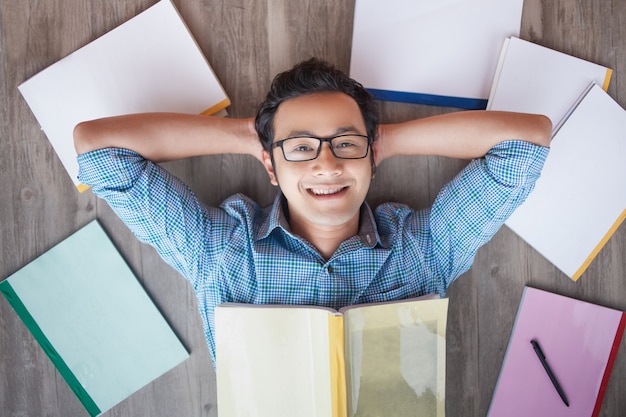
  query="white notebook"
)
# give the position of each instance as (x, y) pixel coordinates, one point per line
(580, 199)
(442, 52)
(534, 79)
(151, 63)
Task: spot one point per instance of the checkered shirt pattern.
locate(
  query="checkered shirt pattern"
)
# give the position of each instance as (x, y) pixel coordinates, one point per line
(240, 252)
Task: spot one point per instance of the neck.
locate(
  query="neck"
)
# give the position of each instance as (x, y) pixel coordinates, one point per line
(326, 239)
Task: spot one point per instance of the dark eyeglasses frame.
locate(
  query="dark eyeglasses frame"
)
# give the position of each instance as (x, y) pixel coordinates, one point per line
(279, 144)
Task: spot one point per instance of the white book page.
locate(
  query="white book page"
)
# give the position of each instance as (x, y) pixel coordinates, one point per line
(396, 358)
(581, 193)
(273, 362)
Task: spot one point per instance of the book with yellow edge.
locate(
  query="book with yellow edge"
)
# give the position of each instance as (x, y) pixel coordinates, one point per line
(579, 201)
(369, 359)
(151, 63)
(531, 78)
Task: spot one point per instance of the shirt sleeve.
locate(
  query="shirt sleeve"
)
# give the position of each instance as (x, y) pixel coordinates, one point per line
(472, 207)
(156, 206)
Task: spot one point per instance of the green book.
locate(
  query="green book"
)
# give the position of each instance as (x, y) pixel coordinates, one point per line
(91, 316)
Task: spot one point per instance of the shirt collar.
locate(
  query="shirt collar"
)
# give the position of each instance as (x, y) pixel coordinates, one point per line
(277, 218)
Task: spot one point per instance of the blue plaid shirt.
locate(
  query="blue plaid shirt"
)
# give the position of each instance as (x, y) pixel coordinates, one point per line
(240, 252)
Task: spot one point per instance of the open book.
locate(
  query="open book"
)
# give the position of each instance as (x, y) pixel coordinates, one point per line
(377, 359)
(151, 63)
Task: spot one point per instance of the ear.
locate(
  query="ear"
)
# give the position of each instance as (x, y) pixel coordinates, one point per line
(269, 167)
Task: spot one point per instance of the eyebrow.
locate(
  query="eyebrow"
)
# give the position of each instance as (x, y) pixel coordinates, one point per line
(338, 131)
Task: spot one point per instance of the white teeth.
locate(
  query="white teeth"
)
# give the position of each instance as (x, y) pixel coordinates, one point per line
(326, 191)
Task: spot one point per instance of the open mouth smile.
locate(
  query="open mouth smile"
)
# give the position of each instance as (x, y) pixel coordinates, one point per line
(322, 192)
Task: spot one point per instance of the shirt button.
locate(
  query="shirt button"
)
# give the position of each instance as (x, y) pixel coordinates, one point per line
(329, 269)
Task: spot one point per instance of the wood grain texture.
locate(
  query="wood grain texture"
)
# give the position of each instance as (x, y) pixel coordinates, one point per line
(247, 43)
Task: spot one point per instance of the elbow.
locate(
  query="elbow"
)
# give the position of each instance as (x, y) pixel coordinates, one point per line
(80, 138)
(83, 138)
(543, 130)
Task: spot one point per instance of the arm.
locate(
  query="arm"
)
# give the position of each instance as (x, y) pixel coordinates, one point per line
(468, 134)
(163, 137)
(472, 207)
(116, 158)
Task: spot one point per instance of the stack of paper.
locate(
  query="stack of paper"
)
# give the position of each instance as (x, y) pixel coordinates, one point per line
(579, 200)
(151, 63)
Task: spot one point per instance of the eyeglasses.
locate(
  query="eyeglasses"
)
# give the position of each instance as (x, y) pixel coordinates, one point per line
(307, 148)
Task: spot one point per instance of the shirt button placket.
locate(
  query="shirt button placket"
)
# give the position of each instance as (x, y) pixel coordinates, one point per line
(327, 285)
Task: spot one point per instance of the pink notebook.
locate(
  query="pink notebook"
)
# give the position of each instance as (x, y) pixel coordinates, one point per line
(579, 340)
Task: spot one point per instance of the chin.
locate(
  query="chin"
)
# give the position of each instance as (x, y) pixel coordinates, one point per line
(332, 220)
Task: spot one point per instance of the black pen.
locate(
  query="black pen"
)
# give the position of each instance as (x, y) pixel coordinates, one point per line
(542, 358)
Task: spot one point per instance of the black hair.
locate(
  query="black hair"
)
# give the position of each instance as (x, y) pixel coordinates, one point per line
(307, 77)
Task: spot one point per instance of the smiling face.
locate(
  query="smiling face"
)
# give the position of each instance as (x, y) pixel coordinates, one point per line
(325, 193)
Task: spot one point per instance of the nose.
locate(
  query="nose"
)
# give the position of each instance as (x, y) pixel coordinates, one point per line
(326, 163)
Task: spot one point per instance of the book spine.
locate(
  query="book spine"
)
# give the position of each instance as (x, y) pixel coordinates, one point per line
(599, 246)
(216, 108)
(429, 99)
(609, 365)
(571, 110)
(337, 366)
(496, 78)
(82, 187)
(40, 337)
(607, 79)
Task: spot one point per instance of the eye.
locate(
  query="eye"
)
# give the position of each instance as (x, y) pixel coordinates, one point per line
(302, 148)
(300, 145)
(344, 144)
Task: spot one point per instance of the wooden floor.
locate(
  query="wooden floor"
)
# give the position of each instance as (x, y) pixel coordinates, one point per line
(247, 42)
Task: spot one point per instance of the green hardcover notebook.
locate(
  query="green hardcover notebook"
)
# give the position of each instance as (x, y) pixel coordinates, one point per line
(85, 307)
